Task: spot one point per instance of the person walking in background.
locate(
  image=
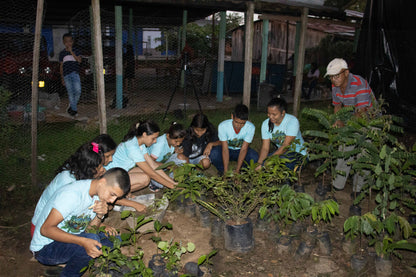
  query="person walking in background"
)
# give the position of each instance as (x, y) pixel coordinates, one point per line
(70, 59)
(348, 90)
(281, 129)
(235, 135)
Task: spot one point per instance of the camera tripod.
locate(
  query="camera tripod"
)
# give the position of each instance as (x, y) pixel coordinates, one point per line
(187, 71)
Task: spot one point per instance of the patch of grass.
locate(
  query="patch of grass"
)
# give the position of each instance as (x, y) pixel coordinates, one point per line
(57, 141)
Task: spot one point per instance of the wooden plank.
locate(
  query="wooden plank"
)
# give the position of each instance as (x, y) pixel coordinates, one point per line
(248, 54)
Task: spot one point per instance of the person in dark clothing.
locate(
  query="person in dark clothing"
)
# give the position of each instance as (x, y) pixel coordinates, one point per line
(129, 66)
(201, 138)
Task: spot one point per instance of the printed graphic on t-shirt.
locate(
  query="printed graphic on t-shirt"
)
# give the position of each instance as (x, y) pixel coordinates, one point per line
(166, 157)
(278, 138)
(237, 143)
(196, 151)
(77, 224)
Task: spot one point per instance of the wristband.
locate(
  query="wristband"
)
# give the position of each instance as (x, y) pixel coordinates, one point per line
(100, 218)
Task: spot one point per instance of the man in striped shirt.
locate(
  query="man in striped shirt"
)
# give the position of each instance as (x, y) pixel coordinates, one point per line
(348, 90)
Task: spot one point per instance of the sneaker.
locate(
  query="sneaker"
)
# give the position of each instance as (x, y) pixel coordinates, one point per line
(71, 112)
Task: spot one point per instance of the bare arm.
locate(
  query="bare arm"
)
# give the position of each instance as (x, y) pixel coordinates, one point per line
(264, 151)
(159, 176)
(283, 148)
(130, 203)
(77, 58)
(209, 147)
(50, 229)
(225, 155)
(242, 156)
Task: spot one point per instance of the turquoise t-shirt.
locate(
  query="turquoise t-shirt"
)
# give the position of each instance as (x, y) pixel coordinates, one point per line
(235, 141)
(127, 154)
(72, 202)
(288, 127)
(63, 178)
(161, 149)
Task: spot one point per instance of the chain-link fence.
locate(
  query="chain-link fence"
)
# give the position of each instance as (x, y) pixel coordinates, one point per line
(160, 82)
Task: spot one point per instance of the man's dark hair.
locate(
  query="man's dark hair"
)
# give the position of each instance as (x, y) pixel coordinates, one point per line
(118, 176)
(241, 112)
(67, 35)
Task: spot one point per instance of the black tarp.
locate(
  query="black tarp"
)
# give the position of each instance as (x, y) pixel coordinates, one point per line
(386, 55)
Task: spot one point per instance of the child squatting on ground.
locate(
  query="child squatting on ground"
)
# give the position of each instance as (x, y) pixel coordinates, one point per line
(60, 236)
(132, 155)
(86, 163)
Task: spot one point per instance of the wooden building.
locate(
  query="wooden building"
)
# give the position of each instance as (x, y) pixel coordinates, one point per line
(282, 38)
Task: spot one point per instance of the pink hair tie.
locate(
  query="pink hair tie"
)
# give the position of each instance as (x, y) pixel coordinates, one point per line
(95, 147)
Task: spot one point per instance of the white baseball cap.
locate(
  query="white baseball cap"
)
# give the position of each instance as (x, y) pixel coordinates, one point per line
(335, 66)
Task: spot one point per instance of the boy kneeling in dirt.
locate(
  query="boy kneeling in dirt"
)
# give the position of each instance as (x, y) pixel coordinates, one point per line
(59, 235)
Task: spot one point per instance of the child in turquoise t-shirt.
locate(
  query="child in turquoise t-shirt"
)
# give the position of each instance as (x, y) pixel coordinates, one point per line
(86, 163)
(60, 235)
(167, 148)
(132, 155)
(235, 135)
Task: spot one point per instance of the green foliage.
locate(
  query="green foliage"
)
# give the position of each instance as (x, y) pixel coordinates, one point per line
(113, 260)
(133, 233)
(288, 205)
(325, 144)
(235, 196)
(158, 226)
(324, 210)
(387, 247)
(206, 259)
(199, 37)
(190, 182)
(366, 224)
(173, 251)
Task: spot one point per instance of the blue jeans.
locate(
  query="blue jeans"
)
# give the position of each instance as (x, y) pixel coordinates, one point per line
(216, 157)
(73, 87)
(74, 256)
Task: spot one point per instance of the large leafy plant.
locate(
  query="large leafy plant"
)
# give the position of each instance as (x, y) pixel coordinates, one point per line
(324, 144)
(235, 196)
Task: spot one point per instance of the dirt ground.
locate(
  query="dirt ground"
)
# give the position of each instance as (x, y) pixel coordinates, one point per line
(265, 259)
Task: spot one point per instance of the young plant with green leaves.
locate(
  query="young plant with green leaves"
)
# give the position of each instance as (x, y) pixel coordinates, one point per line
(387, 247)
(287, 205)
(324, 211)
(236, 196)
(190, 182)
(113, 260)
(206, 258)
(327, 143)
(133, 234)
(172, 252)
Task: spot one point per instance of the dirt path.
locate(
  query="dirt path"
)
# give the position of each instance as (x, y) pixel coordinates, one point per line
(263, 260)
